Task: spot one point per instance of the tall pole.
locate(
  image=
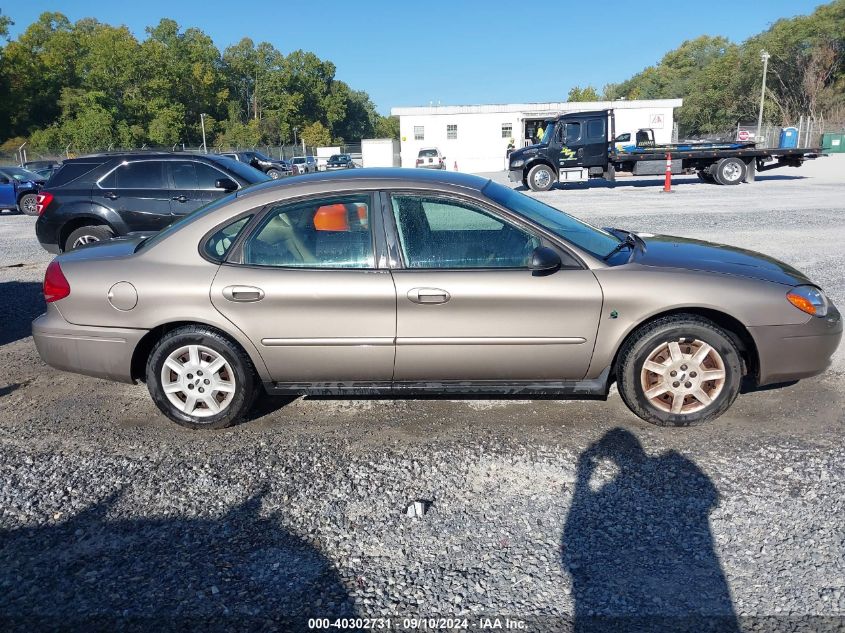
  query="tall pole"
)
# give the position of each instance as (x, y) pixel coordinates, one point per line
(202, 124)
(294, 140)
(765, 57)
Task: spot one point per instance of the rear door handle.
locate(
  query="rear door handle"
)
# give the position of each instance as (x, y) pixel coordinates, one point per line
(243, 294)
(428, 295)
(180, 198)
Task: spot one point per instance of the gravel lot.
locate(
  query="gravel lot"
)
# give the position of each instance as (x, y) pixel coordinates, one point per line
(541, 510)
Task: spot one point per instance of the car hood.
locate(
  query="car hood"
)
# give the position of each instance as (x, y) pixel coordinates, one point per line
(678, 252)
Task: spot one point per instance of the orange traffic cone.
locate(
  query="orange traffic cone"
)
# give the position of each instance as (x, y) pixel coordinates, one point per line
(667, 185)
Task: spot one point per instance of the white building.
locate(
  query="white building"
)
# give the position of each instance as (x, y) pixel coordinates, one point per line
(476, 137)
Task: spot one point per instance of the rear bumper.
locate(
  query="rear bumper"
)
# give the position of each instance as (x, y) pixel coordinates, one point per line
(100, 352)
(792, 352)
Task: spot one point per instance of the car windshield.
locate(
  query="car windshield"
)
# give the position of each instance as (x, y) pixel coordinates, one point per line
(261, 156)
(593, 240)
(19, 173)
(428, 153)
(335, 157)
(299, 159)
(548, 132)
(247, 172)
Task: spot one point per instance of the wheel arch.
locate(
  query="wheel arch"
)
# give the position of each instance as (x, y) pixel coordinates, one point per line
(145, 346)
(539, 160)
(735, 329)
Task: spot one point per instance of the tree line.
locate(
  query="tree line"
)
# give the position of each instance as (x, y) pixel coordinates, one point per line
(90, 85)
(720, 81)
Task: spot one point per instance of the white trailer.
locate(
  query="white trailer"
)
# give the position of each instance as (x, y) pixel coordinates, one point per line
(380, 152)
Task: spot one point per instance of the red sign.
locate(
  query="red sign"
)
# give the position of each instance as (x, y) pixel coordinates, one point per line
(744, 135)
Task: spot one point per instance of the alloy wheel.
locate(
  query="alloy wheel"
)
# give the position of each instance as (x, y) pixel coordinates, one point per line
(198, 381)
(683, 376)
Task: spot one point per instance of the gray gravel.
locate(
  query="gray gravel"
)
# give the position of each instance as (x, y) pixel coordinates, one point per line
(112, 517)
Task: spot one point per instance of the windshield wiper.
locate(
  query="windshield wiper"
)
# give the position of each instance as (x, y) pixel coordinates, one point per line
(632, 240)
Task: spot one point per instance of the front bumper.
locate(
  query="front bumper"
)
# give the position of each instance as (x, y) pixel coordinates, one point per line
(102, 352)
(515, 175)
(792, 352)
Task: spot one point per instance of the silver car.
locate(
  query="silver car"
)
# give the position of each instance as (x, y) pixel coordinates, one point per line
(417, 282)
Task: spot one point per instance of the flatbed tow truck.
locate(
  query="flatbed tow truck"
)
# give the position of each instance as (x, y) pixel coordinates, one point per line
(583, 145)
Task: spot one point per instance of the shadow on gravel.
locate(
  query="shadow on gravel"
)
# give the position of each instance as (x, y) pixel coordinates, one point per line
(241, 571)
(637, 542)
(650, 182)
(20, 303)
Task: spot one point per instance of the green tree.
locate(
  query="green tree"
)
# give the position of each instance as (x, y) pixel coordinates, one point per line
(577, 93)
(316, 135)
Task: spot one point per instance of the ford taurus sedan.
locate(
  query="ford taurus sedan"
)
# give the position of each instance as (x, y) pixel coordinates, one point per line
(417, 282)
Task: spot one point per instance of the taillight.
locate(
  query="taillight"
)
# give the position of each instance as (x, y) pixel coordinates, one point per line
(56, 285)
(43, 201)
(419, 161)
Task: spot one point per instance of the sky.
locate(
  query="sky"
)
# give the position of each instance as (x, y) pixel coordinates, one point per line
(453, 53)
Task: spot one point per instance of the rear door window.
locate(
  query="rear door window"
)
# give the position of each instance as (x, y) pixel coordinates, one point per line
(147, 174)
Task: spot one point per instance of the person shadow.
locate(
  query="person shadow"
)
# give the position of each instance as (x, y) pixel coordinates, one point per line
(238, 571)
(637, 543)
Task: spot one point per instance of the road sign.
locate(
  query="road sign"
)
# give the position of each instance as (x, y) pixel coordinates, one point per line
(744, 135)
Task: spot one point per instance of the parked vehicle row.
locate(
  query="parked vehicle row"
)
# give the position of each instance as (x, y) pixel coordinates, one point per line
(410, 282)
(19, 189)
(273, 168)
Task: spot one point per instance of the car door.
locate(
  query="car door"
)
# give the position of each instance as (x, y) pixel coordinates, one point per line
(468, 308)
(193, 185)
(138, 191)
(305, 287)
(7, 192)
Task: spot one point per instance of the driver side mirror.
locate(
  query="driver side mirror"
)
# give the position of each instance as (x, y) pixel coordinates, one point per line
(544, 261)
(227, 184)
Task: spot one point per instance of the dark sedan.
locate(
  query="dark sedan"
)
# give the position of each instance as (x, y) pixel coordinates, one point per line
(339, 161)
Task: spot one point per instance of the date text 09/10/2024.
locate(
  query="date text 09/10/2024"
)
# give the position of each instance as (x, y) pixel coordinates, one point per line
(419, 624)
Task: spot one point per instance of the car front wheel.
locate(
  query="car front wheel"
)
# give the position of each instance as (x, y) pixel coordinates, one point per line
(679, 371)
(541, 178)
(275, 174)
(200, 379)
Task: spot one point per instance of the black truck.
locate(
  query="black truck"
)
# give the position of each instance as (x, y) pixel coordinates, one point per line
(582, 145)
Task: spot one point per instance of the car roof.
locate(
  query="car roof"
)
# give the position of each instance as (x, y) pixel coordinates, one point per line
(386, 176)
(138, 154)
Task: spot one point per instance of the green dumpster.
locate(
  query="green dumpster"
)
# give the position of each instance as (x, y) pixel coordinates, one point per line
(833, 143)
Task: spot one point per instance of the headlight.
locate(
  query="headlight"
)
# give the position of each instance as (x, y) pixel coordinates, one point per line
(808, 299)
(519, 162)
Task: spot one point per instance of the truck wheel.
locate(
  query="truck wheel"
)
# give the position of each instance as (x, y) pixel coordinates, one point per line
(275, 174)
(541, 178)
(730, 171)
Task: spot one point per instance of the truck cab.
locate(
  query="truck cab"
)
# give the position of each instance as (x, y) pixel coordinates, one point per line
(574, 147)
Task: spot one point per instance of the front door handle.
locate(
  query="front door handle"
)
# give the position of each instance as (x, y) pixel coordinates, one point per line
(111, 195)
(244, 294)
(428, 295)
(180, 198)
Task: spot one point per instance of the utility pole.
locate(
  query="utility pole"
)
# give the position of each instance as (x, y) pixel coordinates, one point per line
(202, 124)
(764, 56)
(294, 138)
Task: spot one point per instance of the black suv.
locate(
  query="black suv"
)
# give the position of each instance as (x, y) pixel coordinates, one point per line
(273, 168)
(98, 197)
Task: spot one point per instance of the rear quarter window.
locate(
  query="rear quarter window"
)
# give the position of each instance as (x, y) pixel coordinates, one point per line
(69, 172)
(218, 243)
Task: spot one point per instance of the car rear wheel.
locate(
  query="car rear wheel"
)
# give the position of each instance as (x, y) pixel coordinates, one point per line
(541, 178)
(28, 204)
(88, 235)
(200, 379)
(679, 371)
(275, 174)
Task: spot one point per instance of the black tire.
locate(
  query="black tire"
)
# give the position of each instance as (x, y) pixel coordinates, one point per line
(703, 176)
(275, 174)
(88, 235)
(541, 178)
(729, 171)
(27, 204)
(244, 377)
(684, 329)
(525, 182)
